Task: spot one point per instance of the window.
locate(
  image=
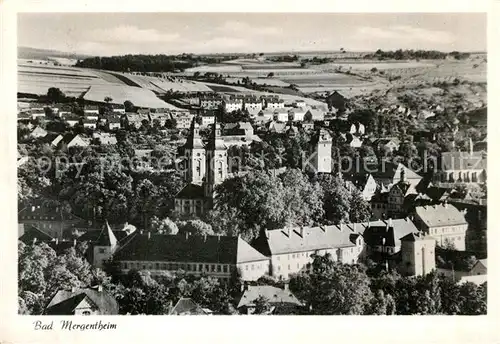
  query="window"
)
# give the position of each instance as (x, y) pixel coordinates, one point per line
(213, 267)
(207, 267)
(293, 256)
(200, 267)
(219, 268)
(101, 250)
(278, 258)
(225, 268)
(125, 265)
(86, 313)
(157, 266)
(252, 267)
(288, 266)
(188, 266)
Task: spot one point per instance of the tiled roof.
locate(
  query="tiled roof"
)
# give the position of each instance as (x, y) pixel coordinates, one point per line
(414, 237)
(31, 233)
(106, 237)
(191, 191)
(273, 294)
(290, 240)
(64, 302)
(46, 213)
(440, 215)
(181, 248)
(186, 306)
(463, 161)
(388, 233)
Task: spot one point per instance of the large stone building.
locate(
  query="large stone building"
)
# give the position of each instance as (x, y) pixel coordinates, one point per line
(443, 222)
(291, 249)
(462, 167)
(417, 254)
(215, 256)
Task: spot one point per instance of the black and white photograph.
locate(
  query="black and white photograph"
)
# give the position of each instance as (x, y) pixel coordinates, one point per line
(225, 163)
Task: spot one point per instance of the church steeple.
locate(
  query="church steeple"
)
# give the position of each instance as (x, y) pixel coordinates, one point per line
(195, 155)
(216, 161)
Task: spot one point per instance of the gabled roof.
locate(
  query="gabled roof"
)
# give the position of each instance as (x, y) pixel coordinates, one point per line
(388, 233)
(64, 302)
(273, 294)
(31, 233)
(191, 191)
(106, 237)
(186, 306)
(440, 215)
(181, 248)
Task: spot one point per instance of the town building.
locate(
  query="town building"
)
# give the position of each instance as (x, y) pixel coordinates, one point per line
(233, 105)
(417, 254)
(444, 222)
(337, 101)
(186, 306)
(281, 115)
(386, 145)
(321, 154)
(38, 132)
(462, 167)
(72, 119)
(105, 138)
(252, 105)
(37, 114)
(273, 103)
(210, 103)
(118, 108)
(104, 247)
(297, 114)
(82, 301)
(135, 120)
(53, 221)
(291, 249)
(91, 109)
(89, 123)
(195, 156)
(113, 123)
(383, 237)
(365, 183)
(71, 140)
(207, 118)
(281, 300)
(215, 256)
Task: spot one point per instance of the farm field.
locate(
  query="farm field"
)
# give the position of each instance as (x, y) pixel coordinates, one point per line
(37, 79)
(140, 97)
(163, 85)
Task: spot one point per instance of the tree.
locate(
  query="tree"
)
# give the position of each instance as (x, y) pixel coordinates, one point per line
(336, 200)
(55, 95)
(195, 227)
(129, 106)
(270, 75)
(108, 100)
(360, 210)
(331, 287)
(262, 305)
(165, 226)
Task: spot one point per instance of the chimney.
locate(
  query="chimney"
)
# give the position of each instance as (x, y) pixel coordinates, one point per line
(390, 222)
(471, 146)
(57, 241)
(34, 240)
(403, 174)
(204, 237)
(74, 242)
(33, 208)
(187, 235)
(73, 289)
(149, 235)
(286, 286)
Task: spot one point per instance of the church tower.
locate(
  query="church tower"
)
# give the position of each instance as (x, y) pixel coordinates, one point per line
(104, 247)
(216, 161)
(322, 152)
(195, 156)
(417, 253)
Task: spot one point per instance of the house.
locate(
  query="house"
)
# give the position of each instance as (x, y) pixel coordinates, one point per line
(38, 132)
(282, 301)
(290, 250)
(190, 200)
(186, 306)
(53, 221)
(91, 117)
(316, 114)
(239, 128)
(159, 118)
(216, 256)
(281, 115)
(276, 127)
(89, 124)
(365, 183)
(82, 301)
(299, 103)
(384, 236)
(72, 119)
(91, 109)
(37, 114)
(113, 123)
(135, 120)
(307, 127)
(105, 138)
(272, 102)
(211, 102)
(183, 119)
(252, 105)
(387, 145)
(417, 254)
(385, 173)
(462, 167)
(297, 114)
(118, 108)
(444, 222)
(77, 140)
(61, 110)
(264, 116)
(480, 268)
(233, 105)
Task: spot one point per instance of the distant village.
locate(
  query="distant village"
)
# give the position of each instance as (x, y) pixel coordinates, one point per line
(394, 219)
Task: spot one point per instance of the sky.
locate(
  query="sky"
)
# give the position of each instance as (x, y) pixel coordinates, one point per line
(106, 34)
